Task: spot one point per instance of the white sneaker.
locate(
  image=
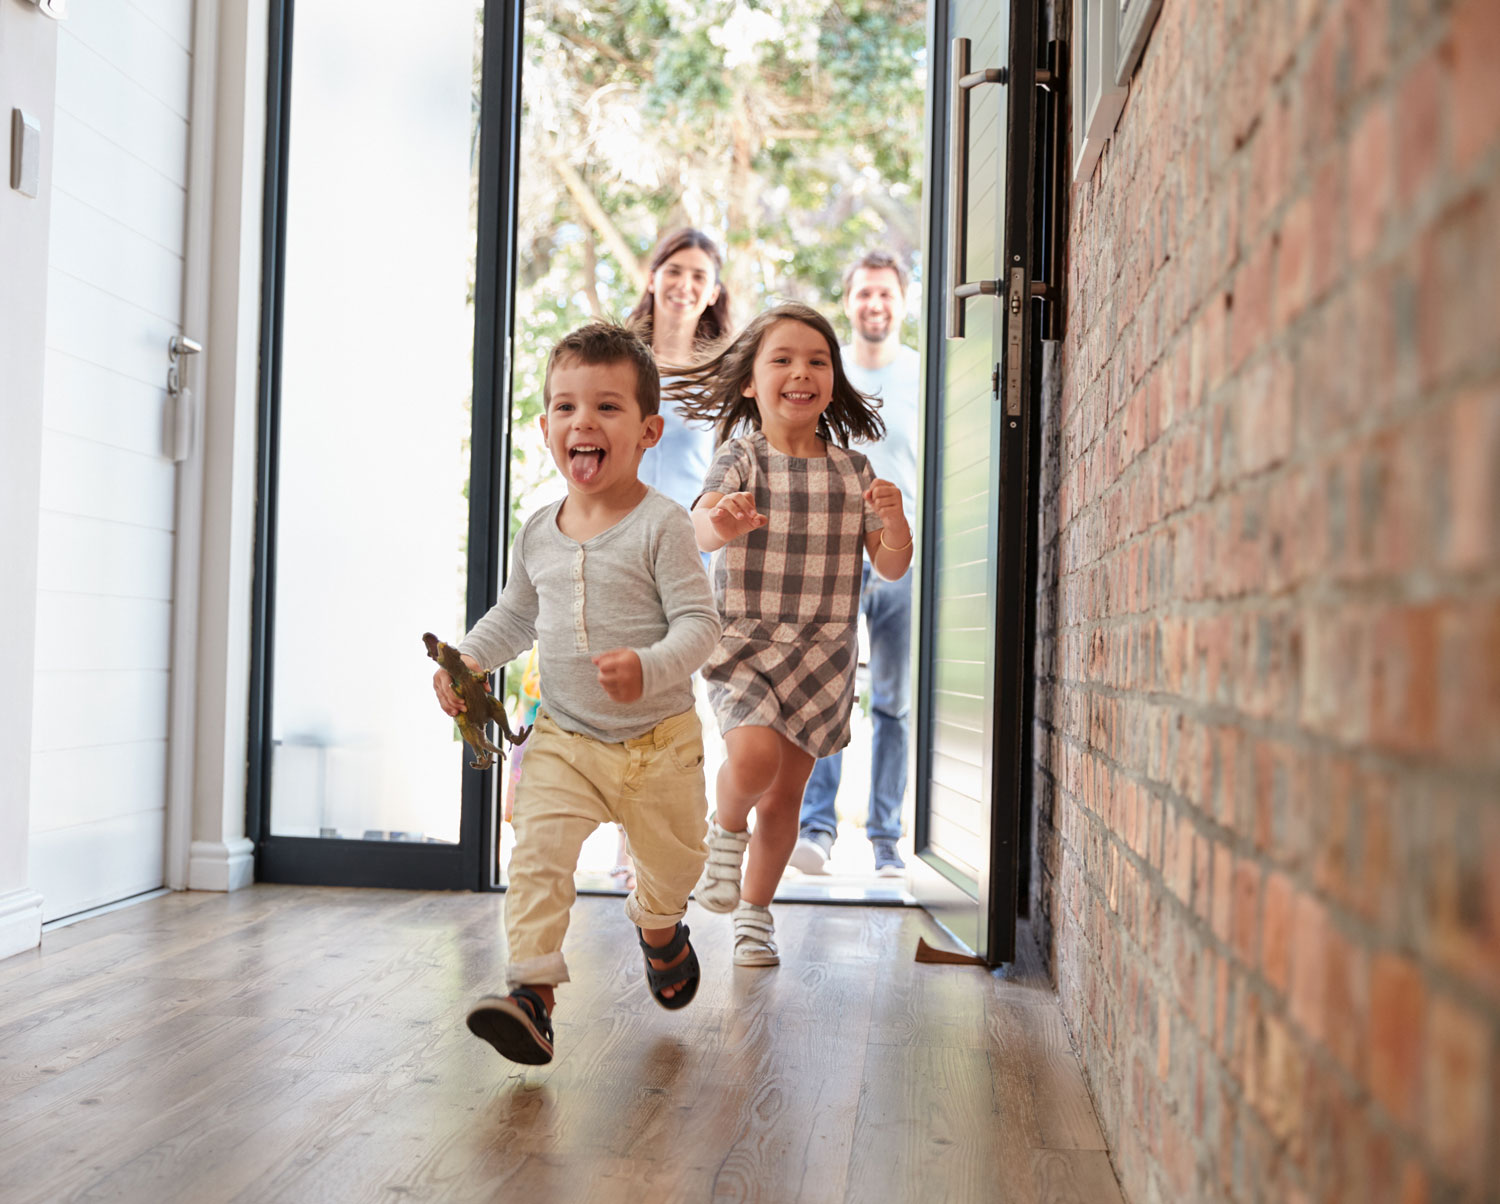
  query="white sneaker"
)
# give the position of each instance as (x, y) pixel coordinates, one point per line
(719, 888)
(810, 854)
(754, 936)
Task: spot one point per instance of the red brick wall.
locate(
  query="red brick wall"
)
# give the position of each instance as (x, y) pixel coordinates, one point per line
(1268, 736)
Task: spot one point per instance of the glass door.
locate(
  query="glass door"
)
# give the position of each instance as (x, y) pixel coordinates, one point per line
(383, 433)
(977, 630)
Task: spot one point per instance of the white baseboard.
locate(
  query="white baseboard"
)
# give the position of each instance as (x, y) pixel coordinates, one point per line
(221, 865)
(20, 921)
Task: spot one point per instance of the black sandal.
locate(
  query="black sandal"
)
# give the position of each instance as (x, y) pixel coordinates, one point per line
(517, 1025)
(684, 976)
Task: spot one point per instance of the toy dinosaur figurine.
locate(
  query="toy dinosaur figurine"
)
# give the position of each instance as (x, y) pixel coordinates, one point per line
(482, 706)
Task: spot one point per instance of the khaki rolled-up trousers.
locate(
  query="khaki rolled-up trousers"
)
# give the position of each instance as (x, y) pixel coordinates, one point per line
(652, 786)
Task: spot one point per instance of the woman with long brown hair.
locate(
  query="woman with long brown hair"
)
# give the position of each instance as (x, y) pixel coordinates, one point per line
(683, 313)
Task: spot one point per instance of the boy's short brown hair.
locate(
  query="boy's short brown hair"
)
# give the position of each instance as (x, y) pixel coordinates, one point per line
(875, 261)
(601, 343)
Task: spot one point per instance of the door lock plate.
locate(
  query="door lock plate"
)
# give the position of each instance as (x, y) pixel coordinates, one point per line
(1015, 319)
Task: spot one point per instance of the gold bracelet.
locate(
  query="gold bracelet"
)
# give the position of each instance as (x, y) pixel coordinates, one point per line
(910, 539)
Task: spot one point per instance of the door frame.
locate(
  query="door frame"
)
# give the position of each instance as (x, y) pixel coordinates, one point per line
(314, 860)
(187, 549)
(1015, 592)
(941, 894)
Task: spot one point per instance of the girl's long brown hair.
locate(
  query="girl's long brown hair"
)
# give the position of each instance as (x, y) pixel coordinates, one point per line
(714, 391)
(713, 322)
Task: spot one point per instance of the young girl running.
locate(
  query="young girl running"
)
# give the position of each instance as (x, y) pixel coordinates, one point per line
(794, 512)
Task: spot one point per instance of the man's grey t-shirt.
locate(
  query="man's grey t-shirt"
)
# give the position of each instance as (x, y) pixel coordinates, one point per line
(898, 385)
(638, 585)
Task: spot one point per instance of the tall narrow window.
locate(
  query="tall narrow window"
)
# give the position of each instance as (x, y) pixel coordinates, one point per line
(371, 485)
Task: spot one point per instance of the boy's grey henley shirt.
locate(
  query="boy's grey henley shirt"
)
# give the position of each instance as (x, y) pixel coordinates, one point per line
(638, 585)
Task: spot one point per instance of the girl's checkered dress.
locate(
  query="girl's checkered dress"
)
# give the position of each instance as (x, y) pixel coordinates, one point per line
(788, 593)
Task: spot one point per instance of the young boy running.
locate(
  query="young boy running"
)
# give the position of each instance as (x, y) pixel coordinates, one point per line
(609, 582)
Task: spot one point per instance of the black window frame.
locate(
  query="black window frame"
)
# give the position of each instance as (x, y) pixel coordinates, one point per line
(469, 864)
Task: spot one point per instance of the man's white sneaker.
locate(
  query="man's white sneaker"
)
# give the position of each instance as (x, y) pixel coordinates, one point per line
(810, 854)
(719, 888)
(754, 936)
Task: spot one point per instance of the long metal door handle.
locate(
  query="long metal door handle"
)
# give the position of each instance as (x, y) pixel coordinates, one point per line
(960, 82)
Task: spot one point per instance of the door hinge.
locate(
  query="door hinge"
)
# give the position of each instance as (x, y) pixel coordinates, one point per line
(995, 381)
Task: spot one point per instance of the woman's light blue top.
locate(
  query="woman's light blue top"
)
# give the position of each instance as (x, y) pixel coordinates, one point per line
(677, 465)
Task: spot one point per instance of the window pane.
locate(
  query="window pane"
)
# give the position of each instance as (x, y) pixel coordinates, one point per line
(372, 490)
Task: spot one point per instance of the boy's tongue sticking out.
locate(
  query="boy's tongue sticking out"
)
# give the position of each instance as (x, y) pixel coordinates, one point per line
(584, 462)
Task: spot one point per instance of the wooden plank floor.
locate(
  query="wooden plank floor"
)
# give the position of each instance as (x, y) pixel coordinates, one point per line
(304, 1044)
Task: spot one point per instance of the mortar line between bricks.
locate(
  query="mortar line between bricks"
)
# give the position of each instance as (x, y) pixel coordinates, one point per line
(1418, 400)
(1290, 732)
(1233, 838)
(1456, 586)
(1240, 161)
(1137, 1045)
(1367, 933)
(1370, 940)
(1395, 243)
(1161, 977)
(1355, 1091)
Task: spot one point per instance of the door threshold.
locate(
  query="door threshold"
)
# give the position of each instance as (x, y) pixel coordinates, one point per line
(870, 891)
(104, 909)
(846, 891)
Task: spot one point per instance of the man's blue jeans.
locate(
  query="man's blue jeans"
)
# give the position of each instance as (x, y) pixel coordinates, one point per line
(886, 606)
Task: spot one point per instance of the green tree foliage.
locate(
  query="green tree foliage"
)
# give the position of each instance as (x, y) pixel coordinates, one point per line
(789, 130)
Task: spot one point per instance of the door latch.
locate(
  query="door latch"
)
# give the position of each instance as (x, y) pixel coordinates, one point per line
(180, 417)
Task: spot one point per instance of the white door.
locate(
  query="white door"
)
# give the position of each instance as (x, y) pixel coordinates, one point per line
(114, 299)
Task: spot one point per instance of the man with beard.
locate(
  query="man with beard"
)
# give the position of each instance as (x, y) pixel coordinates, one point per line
(879, 364)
